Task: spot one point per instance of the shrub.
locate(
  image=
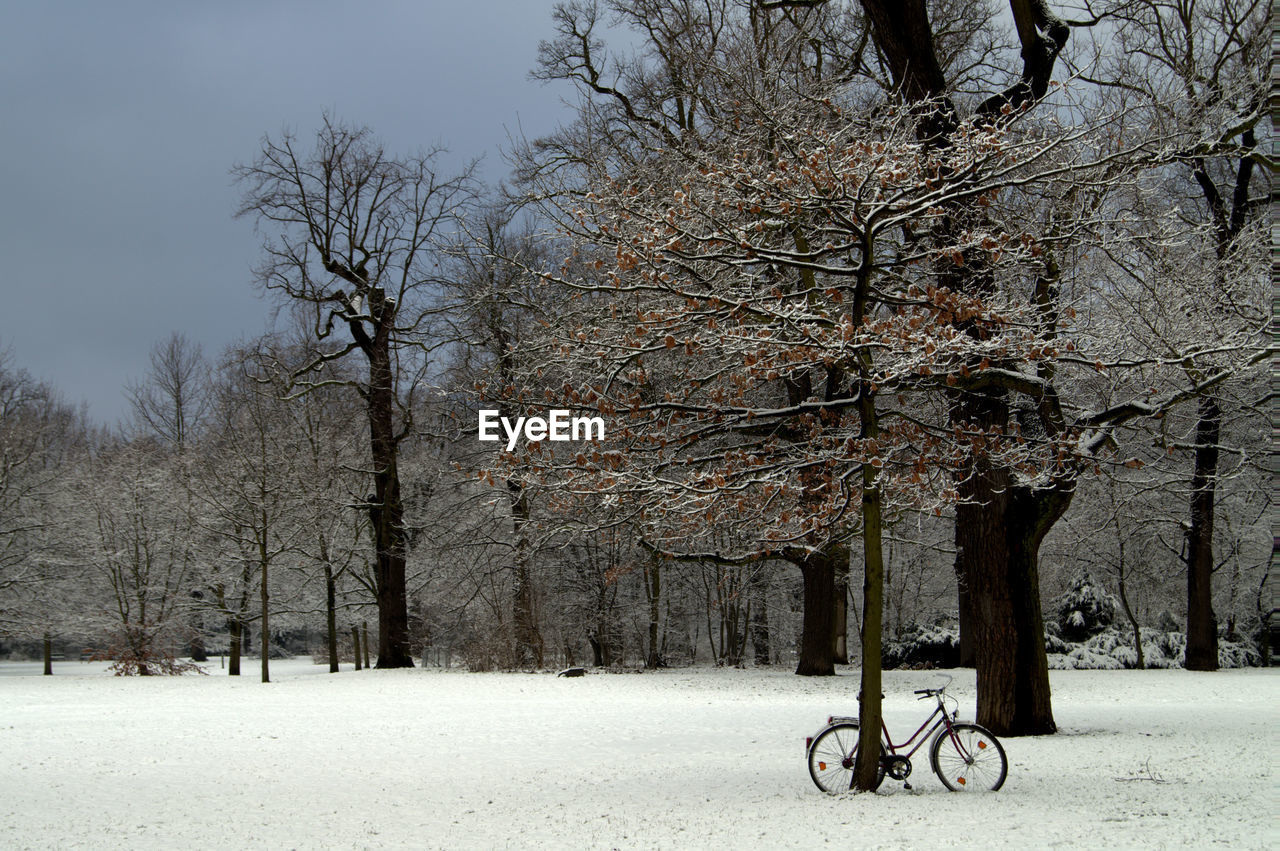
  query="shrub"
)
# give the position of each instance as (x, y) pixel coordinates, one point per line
(1085, 610)
(924, 647)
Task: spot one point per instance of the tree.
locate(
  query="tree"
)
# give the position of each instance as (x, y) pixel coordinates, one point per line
(356, 234)
(173, 400)
(42, 440)
(1203, 64)
(251, 487)
(492, 294)
(140, 543)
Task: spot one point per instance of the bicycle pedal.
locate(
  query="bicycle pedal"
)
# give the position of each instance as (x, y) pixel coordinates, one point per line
(906, 785)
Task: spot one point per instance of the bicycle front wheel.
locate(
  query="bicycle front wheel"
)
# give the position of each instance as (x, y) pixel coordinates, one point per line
(832, 755)
(968, 759)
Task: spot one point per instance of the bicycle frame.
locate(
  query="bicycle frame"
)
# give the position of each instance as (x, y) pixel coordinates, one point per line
(924, 732)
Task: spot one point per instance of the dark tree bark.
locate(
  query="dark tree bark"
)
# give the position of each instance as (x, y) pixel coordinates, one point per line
(1000, 542)
(265, 636)
(198, 653)
(364, 640)
(387, 509)
(1202, 625)
(653, 593)
(330, 612)
(48, 655)
(818, 570)
(355, 645)
(870, 710)
(237, 632)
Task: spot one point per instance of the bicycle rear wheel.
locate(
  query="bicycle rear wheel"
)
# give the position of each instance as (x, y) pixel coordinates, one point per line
(968, 759)
(831, 756)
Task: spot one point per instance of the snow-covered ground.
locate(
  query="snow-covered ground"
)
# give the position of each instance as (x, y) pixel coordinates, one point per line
(674, 759)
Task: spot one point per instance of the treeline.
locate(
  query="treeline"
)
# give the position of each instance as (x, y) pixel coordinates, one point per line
(887, 325)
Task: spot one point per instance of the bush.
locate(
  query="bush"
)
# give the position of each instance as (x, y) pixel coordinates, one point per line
(1113, 649)
(1085, 610)
(923, 647)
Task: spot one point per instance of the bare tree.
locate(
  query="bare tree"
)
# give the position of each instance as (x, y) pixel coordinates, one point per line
(173, 399)
(354, 241)
(42, 440)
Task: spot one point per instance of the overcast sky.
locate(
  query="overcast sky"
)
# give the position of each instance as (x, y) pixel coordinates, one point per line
(122, 119)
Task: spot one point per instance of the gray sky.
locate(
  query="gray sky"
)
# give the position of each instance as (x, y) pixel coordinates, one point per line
(121, 121)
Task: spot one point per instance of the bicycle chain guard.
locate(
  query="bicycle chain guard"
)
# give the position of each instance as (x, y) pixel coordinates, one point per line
(896, 766)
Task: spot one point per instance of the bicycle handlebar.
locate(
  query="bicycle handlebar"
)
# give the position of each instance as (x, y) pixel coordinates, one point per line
(930, 692)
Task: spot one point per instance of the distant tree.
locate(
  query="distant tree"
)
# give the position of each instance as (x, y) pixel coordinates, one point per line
(252, 493)
(138, 539)
(42, 441)
(173, 400)
(354, 244)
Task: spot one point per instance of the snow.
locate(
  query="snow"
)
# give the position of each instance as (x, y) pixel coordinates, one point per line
(672, 759)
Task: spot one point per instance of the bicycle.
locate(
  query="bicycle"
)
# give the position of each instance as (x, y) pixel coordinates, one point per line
(966, 757)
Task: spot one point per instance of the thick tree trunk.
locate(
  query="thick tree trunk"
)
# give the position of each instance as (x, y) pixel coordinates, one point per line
(998, 536)
(1202, 627)
(819, 573)
(387, 510)
(355, 645)
(364, 639)
(48, 655)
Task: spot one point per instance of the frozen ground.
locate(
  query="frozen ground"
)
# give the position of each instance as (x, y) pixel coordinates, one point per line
(676, 759)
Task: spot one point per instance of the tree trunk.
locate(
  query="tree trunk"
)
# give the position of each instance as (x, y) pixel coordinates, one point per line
(237, 631)
(866, 768)
(760, 623)
(840, 616)
(331, 616)
(653, 591)
(1202, 627)
(265, 637)
(818, 570)
(198, 653)
(524, 613)
(867, 765)
(999, 537)
(364, 638)
(48, 655)
(1141, 662)
(355, 645)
